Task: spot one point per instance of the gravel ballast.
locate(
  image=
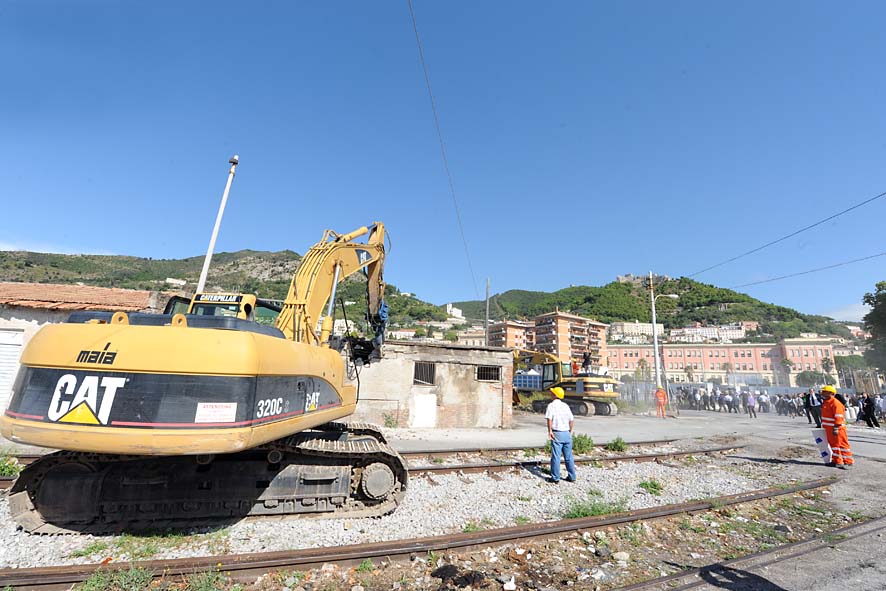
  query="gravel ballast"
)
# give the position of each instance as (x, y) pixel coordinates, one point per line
(452, 506)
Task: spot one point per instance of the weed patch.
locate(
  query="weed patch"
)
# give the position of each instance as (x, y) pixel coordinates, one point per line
(652, 486)
(9, 466)
(367, 566)
(134, 579)
(618, 444)
(588, 508)
(93, 548)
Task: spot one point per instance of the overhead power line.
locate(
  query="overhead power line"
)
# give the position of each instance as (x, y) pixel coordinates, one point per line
(424, 67)
(791, 235)
(834, 266)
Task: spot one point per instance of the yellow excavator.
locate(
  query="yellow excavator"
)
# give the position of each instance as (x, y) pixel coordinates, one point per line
(179, 419)
(586, 393)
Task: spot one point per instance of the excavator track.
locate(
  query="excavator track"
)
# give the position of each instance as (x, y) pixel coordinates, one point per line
(334, 470)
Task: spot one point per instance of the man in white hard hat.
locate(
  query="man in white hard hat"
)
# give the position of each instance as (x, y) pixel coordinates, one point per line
(560, 424)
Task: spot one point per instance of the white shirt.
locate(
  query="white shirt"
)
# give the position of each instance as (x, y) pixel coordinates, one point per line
(560, 415)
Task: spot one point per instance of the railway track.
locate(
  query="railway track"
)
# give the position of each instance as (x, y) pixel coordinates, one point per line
(488, 466)
(248, 567)
(417, 455)
(691, 578)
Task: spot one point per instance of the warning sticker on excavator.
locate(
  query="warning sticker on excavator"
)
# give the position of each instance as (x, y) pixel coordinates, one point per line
(216, 412)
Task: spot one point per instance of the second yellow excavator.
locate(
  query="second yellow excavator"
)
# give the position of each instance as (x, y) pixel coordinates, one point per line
(185, 418)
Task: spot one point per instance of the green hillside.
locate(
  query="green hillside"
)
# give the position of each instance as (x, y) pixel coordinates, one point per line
(266, 274)
(698, 302)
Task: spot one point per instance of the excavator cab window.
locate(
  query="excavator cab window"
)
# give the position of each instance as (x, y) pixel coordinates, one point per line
(230, 310)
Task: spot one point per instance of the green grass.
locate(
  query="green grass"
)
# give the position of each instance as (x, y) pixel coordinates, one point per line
(618, 444)
(856, 515)
(438, 460)
(595, 492)
(145, 546)
(9, 466)
(206, 581)
(367, 566)
(581, 444)
(524, 499)
(93, 548)
(652, 486)
(473, 526)
(134, 579)
(632, 534)
(686, 525)
(589, 508)
(391, 421)
(521, 520)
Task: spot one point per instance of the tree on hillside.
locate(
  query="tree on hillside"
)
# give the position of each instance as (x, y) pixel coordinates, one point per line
(875, 322)
(808, 379)
(848, 362)
(827, 364)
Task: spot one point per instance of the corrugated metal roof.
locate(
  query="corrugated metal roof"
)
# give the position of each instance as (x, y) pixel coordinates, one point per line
(52, 296)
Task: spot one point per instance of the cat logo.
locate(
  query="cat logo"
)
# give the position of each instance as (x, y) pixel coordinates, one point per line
(91, 405)
(363, 257)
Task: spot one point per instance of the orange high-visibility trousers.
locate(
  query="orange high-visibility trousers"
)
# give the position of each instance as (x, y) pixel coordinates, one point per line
(839, 446)
(660, 409)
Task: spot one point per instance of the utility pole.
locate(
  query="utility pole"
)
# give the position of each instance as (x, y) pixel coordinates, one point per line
(221, 210)
(486, 321)
(654, 334)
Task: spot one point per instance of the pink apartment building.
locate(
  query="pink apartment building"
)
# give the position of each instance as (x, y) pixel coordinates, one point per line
(732, 363)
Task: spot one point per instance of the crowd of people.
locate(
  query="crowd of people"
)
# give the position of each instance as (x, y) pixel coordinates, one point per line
(863, 407)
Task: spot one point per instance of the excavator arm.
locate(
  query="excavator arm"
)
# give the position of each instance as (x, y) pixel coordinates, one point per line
(313, 286)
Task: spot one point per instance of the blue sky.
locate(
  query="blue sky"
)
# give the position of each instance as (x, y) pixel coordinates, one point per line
(586, 140)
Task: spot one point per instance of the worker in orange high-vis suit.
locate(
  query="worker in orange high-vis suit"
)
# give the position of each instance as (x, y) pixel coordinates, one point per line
(661, 401)
(833, 421)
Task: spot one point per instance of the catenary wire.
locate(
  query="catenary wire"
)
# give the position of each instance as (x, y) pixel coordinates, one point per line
(424, 67)
(834, 266)
(791, 235)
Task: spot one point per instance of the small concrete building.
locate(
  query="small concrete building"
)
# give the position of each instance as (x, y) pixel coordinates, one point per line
(445, 385)
(25, 307)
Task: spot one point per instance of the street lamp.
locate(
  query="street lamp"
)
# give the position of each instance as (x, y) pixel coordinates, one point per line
(655, 353)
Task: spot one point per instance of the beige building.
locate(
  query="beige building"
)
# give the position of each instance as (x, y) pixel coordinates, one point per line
(515, 334)
(569, 337)
(429, 385)
(620, 330)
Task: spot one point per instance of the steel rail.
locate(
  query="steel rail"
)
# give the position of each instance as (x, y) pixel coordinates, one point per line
(774, 556)
(502, 465)
(507, 465)
(250, 566)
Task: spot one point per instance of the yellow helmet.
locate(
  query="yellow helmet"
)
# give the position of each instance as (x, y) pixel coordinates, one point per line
(558, 392)
(830, 389)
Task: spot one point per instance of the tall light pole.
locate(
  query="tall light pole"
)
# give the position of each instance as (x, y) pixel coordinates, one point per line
(221, 210)
(655, 353)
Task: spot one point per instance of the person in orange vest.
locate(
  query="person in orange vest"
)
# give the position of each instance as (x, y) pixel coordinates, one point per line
(661, 401)
(833, 421)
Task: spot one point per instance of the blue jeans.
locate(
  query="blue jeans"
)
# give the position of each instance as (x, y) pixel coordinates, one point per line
(562, 446)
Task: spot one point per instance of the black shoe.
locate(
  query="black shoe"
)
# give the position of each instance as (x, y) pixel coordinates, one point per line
(831, 464)
(567, 479)
(552, 481)
(842, 466)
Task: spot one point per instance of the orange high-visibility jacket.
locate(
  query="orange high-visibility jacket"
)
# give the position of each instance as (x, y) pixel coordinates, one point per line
(833, 413)
(661, 397)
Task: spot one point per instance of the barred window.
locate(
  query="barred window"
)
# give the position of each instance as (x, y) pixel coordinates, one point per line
(488, 373)
(424, 373)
